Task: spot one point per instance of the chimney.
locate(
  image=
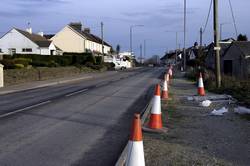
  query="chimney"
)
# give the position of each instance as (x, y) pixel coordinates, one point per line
(41, 33)
(76, 25)
(87, 30)
(29, 30)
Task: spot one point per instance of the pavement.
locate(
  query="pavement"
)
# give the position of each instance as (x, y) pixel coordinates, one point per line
(84, 122)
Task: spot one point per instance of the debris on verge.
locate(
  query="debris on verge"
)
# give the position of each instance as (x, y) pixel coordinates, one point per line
(242, 110)
(219, 112)
(205, 103)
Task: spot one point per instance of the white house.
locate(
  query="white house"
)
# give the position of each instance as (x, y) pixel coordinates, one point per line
(72, 38)
(18, 41)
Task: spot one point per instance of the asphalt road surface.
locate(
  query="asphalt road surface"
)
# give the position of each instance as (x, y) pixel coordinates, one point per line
(80, 123)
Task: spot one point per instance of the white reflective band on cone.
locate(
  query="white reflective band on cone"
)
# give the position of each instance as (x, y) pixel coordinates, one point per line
(201, 83)
(156, 108)
(135, 154)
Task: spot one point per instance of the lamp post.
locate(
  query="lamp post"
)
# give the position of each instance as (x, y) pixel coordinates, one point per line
(131, 37)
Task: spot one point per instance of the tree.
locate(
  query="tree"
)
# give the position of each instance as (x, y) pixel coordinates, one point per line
(118, 49)
(242, 38)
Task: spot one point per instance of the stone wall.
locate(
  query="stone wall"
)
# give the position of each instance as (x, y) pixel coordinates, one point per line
(17, 76)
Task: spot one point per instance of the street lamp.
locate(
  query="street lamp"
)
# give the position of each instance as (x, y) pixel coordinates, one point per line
(221, 27)
(131, 37)
(145, 45)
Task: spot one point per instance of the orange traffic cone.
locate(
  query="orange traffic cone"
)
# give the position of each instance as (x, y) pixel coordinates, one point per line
(155, 117)
(201, 90)
(164, 94)
(135, 147)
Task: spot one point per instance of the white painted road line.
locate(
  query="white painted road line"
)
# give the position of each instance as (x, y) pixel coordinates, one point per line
(75, 93)
(24, 109)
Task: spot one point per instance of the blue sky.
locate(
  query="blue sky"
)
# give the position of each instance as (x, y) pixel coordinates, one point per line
(157, 16)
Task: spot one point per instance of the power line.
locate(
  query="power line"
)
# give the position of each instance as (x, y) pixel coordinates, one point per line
(232, 12)
(208, 15)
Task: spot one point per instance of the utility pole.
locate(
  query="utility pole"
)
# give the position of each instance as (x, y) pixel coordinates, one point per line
(201, 37)
(102, 39)
(144, 51)
(141, 53)
(176, 51)
(217, 45)
(184, 44)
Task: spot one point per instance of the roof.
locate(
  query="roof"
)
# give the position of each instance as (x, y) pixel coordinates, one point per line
(244, 46)
(89, 36)
(37, 39)
(49, 36)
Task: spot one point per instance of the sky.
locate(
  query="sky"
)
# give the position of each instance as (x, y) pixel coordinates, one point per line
(160, 20)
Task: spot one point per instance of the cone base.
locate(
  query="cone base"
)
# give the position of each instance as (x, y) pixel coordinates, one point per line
(147, 129)
(201, 91)
(155, 121)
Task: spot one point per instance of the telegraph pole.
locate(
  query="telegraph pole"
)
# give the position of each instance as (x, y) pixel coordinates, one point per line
(217, 45)
(201, 37)
(176, 51)
(144, 56)
(184, 44)
(141, 53)
(102, 38)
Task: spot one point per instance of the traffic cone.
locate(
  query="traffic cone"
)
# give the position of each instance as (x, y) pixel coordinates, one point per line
(170, 72)
(135, 146)
(167, 78)
(164, 94)
(155, 117)
(201, 90)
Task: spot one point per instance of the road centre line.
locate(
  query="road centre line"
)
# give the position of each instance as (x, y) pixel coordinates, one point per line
(24, 109)
(77, 92)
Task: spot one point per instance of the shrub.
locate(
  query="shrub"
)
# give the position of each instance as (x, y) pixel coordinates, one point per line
(99, 60)
(19, 66)
(110, 66)
(23, 61)
(8, 63)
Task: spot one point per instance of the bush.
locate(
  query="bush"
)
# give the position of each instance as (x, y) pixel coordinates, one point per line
(110, 66)
(24, 61)
(19, 66)
(8, 63)
(91, 59)
(99, 60)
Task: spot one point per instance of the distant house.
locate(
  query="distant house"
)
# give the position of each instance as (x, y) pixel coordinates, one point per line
(236, 61)
(18, 41)
(73, 38)
(210, 53)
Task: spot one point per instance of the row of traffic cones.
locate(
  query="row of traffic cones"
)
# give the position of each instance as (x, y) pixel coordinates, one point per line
(135, 155)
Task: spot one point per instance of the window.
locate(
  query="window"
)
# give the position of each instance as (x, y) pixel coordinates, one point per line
(27, 50)
(12, 51)
(0, 50)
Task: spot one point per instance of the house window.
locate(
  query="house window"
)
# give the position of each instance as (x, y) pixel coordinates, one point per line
(12, 51)
(0, 50)
(27, 50)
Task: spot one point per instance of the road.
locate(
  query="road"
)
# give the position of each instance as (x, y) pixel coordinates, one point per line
(81, 123)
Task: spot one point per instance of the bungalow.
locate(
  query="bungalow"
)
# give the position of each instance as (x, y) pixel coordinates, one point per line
(72, 38)
(18, 41)
(236, 61)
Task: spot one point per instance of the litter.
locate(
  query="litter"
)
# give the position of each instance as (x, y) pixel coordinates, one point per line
(206, 103)
(242, 110)
(219, 112)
